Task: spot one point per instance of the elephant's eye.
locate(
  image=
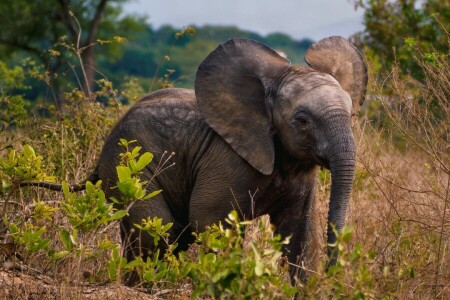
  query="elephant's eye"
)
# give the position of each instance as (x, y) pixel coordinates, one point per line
(302, 122)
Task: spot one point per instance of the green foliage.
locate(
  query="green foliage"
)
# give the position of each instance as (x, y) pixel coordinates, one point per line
(95, 22)
(86, 213)
(128, 158)
(159, 268)
(117, 265)
(155, 229)
(226, 269)
(16, 167)
(12, 108)
(12, 111)
(128, 172)
(29, 235)
(392, 28)
(91, 210)
(12, 79)
(226, 266)
(42, 211)
(69, 130)
(350, 278)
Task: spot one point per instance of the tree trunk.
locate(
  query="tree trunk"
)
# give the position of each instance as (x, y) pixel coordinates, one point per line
(88, 55)
(88, 58)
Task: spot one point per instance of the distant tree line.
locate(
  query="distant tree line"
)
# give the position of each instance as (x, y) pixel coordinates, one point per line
(80, 41)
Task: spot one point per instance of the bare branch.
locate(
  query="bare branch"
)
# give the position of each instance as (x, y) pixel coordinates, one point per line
(66, 18)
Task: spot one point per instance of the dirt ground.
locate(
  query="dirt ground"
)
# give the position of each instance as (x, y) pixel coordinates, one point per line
(15, 284)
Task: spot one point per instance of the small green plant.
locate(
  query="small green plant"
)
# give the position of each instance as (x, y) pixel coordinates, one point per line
(29, 235)
(351, 277)
(226, 269)
(166, 268)
(91, 210)
(156, 229)
(117, 265)
(88, 213)
(227, 265)
(129, 170)
(12, 107)
(16, 167)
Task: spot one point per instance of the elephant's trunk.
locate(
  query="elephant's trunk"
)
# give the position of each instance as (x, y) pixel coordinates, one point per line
(341, 158)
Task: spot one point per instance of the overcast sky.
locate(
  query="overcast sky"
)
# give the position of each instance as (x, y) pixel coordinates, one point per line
(313, 19)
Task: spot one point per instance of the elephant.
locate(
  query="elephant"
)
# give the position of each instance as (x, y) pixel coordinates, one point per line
(255, 124)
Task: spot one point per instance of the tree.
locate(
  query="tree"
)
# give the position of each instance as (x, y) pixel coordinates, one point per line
(388, 23)
(38, 26)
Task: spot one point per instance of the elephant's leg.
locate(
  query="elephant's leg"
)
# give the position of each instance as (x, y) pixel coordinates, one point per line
(207, 210)
(140, 243)
(137, 243)
(301, 223)
(222, 184)
(211, 203)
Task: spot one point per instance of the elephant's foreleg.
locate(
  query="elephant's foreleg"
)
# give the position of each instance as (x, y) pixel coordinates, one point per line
(303, 249)
(137, 243)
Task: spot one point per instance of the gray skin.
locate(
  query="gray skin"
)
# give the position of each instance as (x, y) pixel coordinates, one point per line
(255, 125)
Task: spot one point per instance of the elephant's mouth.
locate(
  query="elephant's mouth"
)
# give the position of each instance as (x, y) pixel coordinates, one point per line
(321, 161)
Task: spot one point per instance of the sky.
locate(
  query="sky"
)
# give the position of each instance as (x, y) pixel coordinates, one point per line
(314, 19)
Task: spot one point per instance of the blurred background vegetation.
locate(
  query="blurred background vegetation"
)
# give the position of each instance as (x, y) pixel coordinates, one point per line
(79, 42)
(122, 48)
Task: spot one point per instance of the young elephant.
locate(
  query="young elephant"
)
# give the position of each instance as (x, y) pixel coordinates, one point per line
(255, 124)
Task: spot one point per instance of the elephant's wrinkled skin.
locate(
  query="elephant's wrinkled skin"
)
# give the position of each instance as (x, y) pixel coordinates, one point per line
(255, 125)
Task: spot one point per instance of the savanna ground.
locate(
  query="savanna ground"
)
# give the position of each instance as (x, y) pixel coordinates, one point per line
(396, 245)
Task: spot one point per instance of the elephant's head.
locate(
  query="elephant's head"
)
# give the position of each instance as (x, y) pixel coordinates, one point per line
(248, 94)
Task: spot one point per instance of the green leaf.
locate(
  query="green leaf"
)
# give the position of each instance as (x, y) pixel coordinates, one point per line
(290, 290)
(139, 193)
(259, 268)
(135, 151)
(144, 160)
(28, 151)
(211, 290)
(124, 173)
(66, 190)
(152, 194)
(89, 187)
(74, 236)
(64, 236)
(119, 214)
(220, 275)
(133, 166)
(12, 156)
(112, 269)
(60, 255)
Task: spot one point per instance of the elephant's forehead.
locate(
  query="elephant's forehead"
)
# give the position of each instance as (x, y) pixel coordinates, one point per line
(315, 91)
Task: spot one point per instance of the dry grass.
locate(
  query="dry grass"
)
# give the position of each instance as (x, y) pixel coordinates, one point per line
(400, 205)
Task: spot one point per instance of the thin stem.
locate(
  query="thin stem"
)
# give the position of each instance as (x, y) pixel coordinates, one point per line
(440, 238)
(78, 52)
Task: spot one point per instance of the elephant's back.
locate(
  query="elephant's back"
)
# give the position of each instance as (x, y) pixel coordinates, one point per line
(172, 96)
(169, 108)
(166, 121)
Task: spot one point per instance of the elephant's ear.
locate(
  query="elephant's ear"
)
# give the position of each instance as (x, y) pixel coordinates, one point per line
(340, 58)
(231, 95)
